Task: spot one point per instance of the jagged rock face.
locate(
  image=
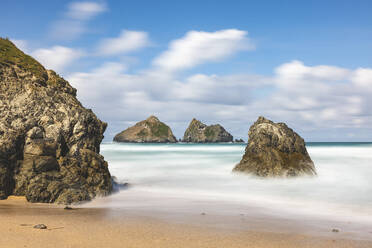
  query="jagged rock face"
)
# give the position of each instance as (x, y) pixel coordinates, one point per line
(197, 132)
(150, 130)
(49, 143)
(274, 150)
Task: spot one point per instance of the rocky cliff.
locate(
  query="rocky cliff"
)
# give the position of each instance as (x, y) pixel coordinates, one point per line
(275, 150)
(151, 130)
(198, 132)
(49, 143)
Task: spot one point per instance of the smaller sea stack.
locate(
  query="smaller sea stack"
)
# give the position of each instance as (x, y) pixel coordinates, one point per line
(151, 130)
(198, 132)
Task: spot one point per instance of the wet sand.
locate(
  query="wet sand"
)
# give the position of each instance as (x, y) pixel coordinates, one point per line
(99, 227)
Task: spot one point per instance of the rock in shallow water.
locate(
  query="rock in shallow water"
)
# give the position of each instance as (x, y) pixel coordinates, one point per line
(49, 143)
(274, 150)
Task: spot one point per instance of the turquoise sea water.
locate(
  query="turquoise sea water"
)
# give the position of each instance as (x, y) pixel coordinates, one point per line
(182, 177)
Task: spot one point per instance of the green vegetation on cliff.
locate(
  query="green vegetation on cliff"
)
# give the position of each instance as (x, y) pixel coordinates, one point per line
(11, 55)
(209, 132)
(159, 129)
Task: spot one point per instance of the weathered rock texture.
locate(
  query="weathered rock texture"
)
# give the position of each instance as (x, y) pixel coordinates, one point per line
(150, 130)
(197, 132)
(275, 150)
(49, 143)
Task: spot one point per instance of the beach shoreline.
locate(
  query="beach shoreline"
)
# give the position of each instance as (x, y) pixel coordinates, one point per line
(100, 227)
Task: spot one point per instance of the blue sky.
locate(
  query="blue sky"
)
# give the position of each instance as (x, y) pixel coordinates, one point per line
(307, 63)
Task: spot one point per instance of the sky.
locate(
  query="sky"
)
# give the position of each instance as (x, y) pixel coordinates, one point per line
(305, 63)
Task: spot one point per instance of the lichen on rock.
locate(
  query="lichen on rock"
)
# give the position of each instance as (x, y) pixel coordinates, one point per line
(49, 143)
(275, 150)
(198, 132)
(151, 130)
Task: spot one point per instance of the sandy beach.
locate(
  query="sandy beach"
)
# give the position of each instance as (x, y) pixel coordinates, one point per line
(87, 227)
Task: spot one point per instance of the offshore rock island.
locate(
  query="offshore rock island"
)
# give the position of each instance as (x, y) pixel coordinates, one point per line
(275, 150)
(49, 143)
(151, 130)
(198, 132)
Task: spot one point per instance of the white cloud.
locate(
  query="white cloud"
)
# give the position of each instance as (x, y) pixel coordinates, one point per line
(128, 41)
(362, 77)
(74, 22)
(322, 96)
(295, 74)
(85, 10)
(198, 47)
(57, 57)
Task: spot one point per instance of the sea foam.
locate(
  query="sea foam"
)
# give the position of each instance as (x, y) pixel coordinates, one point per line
(166, 175)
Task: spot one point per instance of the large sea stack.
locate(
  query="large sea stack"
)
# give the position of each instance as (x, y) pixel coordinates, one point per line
(151, 130)
(198, 132)
(49, 143)
(274, 150)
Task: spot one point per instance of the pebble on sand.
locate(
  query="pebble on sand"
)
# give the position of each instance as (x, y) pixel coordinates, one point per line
(40, 226)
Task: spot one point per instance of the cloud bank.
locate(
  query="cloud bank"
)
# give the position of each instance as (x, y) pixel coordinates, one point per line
(319, 101)
(312, 99)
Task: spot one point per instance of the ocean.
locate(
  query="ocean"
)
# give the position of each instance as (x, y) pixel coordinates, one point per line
(181, 178)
